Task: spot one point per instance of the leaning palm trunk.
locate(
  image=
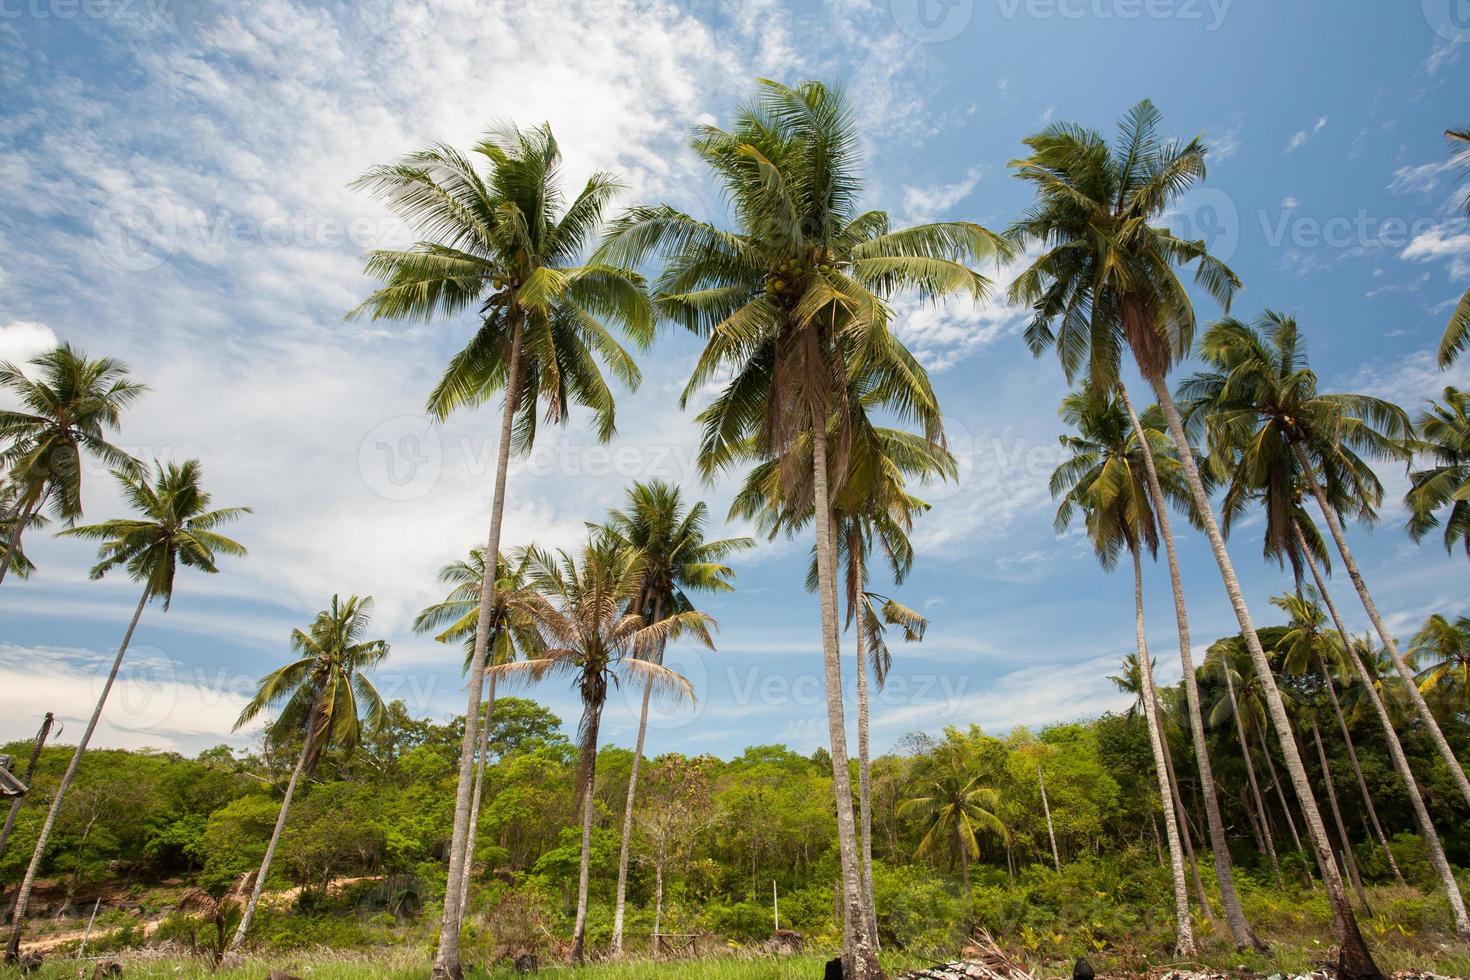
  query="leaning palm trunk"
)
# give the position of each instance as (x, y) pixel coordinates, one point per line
(484, 751)
(1240, 927)
(587, 772)
(618, 911)
(30, 773)
(1427, 830)
(1185, 836)
(865, 781)
(23, 897)
(859, 957)
(270, 849)
(1250, 771)
(1389, 643)
(1345, 843)
(1183, 926)
(446, 959)
(1355, 961)
(1051, 832)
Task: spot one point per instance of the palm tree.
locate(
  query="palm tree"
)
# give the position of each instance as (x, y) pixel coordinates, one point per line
(1309, 645)
(325, 698)
(1443, 435)
(677, 560)
(512, 629)
(1457, 334)
(502, 244)
(1447, 679)
(174, 526)
(1263, 398)
(953, 808)
(11, 504)
(592, 636)
(789, 303)
(63, 416)
(1104, 480)
(1106, 280)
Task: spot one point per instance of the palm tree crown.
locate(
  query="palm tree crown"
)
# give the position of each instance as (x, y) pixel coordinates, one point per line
(1446, 644)
(1443, 437)
(512, 625)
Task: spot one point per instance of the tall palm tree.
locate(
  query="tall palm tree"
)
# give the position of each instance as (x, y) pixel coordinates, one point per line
(1457, 334)
(1105, 282)
(64, 416)
(790, 302)
(325, 698)
(1447, 678)
(512, 630)
(1262, 398)
(1103, 479)
(677, 560)
(501, 244)
(1308, 645)
(1443, 436)
(175, 525)
(593, 636)
(953, 808)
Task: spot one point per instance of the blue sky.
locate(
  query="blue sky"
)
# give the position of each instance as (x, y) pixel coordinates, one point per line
(176, 195)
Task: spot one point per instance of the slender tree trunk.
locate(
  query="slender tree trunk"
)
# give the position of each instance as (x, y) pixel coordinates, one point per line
(23, 515)
(446, 958)
(1345, 843)
(1427, 830)
(270, 849)
(861, 959)
(589, 766)
(1051, 832)
(617, 935)
(29, 776)
(1281, 797)
(965, 869)
(658, 890)
(1334, 524)
(1355, 961)
(865, 781)
(484, 750)
(1183, 925)
(23, 897)
(1250, 772)
(1240, 927)
(1184, 832)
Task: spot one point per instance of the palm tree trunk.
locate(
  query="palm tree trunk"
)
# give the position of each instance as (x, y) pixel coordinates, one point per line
(860, 959)
(446, 958)
(1184, 833)
(589, 767)
(1281, 798)
(658, 889)
(1355, 962)
(270, 849)
(483, 751)
(22, 899)
(30, 775)
(1051, 832)
(1250, 771)
(1183, 925)
(22, 516)
(865, 781)
(1389, 643)
(617, 935)
(1240, 927)
(1426, 826)
(1345, 843)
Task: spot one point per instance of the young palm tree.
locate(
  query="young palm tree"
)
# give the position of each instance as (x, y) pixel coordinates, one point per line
(11, 506)
(63, 416)
(1107, 280)
(677, 560)
(512, 630)
(1457, 334)
(325, 698)
(592, 636)
(174, 526)
(1443, 435)
(1262, 398)
(1104, 480)
(953, 808)
(1447, 646)
(790, 302)
(501, 244)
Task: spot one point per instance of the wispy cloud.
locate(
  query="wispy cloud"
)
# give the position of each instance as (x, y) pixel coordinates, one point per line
(1300, 137)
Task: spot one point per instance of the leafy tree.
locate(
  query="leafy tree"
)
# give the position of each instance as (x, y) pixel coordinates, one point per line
(175, 525)
(1446, 644)
(953, 807)
(1443, 435)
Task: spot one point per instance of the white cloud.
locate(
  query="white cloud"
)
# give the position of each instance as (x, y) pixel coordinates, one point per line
(21, 340)
(924, 204)
(1450, 240)
(1419, 179)
(1300, 137)
(1290, 202)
